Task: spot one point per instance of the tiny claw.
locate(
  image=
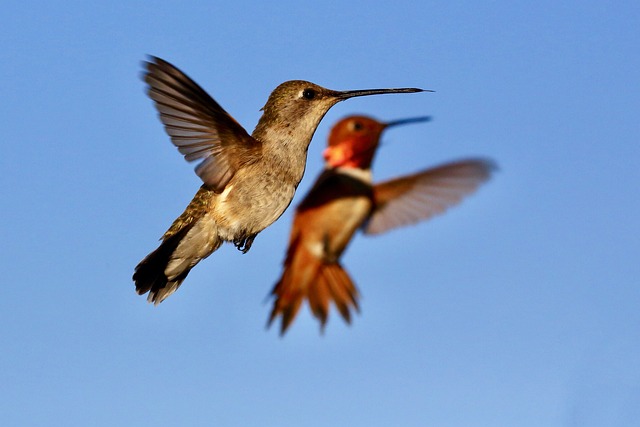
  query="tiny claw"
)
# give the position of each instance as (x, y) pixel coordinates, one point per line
(245, 243)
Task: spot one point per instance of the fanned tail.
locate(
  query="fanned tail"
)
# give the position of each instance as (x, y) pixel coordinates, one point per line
(192, 237)
(320, 283)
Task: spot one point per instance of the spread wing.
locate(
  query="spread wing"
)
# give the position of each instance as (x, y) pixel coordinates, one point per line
(198, 126)
(409, 199)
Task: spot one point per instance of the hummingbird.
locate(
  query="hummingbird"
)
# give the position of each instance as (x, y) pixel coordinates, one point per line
(344, 200)
(248, 180)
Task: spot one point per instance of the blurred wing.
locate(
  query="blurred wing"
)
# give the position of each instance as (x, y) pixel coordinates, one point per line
(198, 126)
(407, 200)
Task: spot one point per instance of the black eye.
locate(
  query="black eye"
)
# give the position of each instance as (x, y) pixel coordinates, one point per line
(357, 126)
(309, 94)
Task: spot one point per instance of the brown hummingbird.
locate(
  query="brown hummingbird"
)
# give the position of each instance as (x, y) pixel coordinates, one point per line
(343, 200)
(249, 180)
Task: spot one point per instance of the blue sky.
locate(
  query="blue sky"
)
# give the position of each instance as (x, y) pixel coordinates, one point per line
(519, 307)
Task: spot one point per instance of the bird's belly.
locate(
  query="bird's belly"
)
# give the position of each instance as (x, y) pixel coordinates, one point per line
(335, 224)
(252, 207)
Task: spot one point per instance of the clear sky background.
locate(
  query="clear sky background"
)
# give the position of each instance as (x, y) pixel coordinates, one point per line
(520, 307)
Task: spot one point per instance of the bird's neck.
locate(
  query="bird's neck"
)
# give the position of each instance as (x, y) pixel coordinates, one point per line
(284, 150)
(363, 175)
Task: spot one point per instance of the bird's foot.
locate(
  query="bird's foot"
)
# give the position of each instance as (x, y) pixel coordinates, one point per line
(244, 244)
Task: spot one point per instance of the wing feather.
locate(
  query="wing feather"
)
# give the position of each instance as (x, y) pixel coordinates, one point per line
(197, 125)
(409, 199)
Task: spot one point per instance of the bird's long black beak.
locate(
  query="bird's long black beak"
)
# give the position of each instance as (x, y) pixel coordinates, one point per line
(366, 92)
(401, 122)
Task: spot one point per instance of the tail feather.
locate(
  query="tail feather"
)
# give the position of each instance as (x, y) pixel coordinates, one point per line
(149, 275)
(319, 296)
(289, 293)
(342, 289)
(307, 278)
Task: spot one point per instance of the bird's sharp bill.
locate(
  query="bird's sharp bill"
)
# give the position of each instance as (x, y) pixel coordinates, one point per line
(407, 121)
(366, 92)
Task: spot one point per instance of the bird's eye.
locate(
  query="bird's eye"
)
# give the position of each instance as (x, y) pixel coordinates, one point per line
(357, 126)
(309, 94)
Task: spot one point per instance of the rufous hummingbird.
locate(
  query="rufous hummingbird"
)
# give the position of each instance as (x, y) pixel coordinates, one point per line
(249, 180)
(343, 200)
